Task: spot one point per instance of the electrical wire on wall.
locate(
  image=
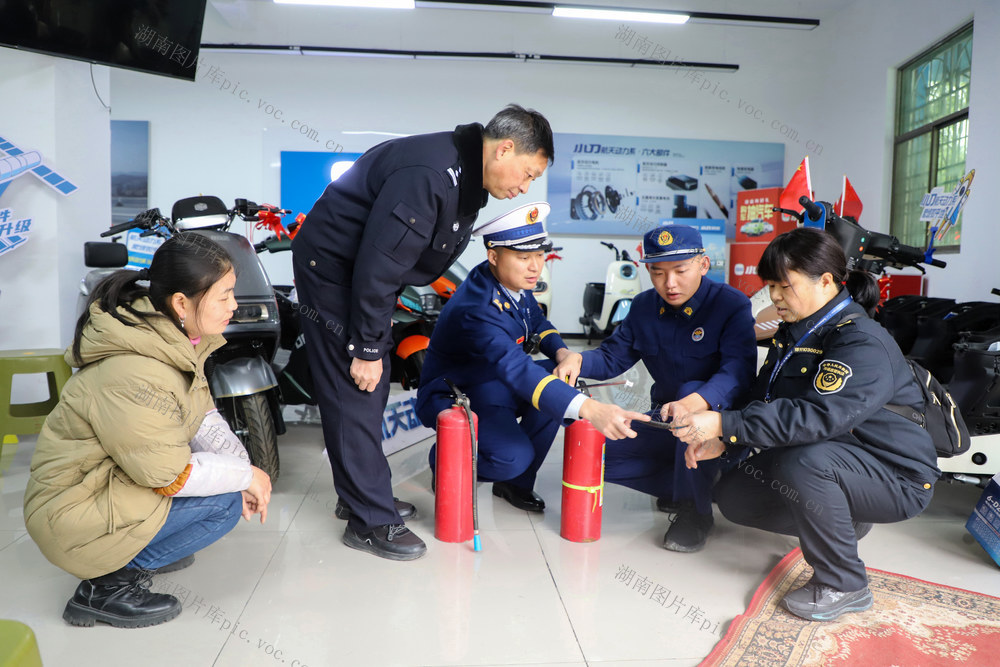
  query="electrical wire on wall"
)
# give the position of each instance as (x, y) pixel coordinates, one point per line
(94, 84)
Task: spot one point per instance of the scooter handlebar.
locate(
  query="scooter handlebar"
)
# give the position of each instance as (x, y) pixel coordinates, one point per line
(814, 210)
(119, 228)
(148, 219)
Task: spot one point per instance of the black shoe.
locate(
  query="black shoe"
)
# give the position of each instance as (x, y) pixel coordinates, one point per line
(406, 510)
(521, 498)
(121, 599)
(861, 529)
(395, 542)
(688, 530)
(176, 565)
(815, 602)
(667, 505)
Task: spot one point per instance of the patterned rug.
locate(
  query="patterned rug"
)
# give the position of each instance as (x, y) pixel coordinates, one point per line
(913, 623)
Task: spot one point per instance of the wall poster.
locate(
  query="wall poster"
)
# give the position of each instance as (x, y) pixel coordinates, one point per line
(620, 185)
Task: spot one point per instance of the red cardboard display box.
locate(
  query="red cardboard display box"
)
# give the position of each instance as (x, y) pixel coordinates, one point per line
(755, 221)
(743, 258)
(904, 283)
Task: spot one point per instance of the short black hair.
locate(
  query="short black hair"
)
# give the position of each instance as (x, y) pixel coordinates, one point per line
(528, 129)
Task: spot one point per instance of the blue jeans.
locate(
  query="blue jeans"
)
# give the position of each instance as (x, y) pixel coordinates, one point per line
(192, 524)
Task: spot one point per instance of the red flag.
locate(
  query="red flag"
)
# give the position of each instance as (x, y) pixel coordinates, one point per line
(849, 204)
(798, 185)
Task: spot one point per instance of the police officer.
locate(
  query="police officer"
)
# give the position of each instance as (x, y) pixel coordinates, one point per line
(482, 343)
(696, 339)
(832, 460)
(401, 215)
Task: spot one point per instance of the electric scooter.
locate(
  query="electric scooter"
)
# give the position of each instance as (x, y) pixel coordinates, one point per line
(606, 304)
(240, 376)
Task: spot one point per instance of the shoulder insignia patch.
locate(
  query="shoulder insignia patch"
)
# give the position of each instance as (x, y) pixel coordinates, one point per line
(831, 376)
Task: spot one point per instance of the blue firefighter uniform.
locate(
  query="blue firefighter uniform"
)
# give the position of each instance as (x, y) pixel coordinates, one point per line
(478, 344)
(482, 343)
(705, 346)
(831, 455)
(401, 215)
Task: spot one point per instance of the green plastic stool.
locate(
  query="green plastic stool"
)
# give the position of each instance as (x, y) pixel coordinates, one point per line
(18, 647)
(27, 418)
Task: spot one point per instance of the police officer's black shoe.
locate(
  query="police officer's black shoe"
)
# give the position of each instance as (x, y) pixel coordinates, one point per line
(406, 510)
(688, 530)
(815, 602)
(394, 541)
(121, 599)
(180, 564)
(521, 498)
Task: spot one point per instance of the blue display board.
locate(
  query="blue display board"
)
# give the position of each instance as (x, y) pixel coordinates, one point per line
(304, 176)
(604, 184)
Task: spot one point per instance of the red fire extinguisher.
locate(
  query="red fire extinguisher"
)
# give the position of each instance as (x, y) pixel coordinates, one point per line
(456, 518)
(583, 483)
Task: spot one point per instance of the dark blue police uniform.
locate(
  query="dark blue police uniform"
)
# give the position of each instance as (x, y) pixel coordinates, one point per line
(705, 346)
(477, 344)
(831, 454)
(401, 215)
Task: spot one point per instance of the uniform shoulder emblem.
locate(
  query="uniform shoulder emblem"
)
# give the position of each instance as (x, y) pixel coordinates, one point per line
(496, 302)
(831, 376)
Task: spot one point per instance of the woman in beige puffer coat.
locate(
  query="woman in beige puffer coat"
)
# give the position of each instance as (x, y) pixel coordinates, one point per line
(134, 470)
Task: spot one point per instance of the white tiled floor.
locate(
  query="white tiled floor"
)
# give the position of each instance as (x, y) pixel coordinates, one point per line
(290, 593)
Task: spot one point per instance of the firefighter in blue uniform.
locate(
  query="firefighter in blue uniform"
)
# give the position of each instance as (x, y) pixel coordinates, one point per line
(696, 339)
(482, 343)
(833, 460)
(401, 215)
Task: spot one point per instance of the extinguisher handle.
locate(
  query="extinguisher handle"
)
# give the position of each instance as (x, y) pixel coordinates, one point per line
(461, 400)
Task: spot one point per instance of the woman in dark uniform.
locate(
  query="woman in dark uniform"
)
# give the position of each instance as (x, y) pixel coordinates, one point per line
(832, 460)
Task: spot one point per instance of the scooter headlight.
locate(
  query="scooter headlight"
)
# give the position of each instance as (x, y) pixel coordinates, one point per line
(540, 286)
(628, 271)
(247, 313)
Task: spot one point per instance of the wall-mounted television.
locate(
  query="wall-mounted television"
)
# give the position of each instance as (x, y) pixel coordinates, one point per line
(155, 36)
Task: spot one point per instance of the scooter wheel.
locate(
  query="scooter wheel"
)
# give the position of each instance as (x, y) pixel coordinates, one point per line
(251, 420)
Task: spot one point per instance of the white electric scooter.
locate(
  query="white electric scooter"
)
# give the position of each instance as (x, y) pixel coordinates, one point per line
(606, 304)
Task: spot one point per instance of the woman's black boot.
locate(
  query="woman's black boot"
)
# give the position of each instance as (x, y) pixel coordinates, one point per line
(121, 599)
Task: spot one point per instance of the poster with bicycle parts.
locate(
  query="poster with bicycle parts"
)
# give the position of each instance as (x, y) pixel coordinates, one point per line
(606, 184)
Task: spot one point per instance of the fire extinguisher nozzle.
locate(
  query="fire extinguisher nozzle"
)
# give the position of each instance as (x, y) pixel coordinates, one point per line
(476, 544)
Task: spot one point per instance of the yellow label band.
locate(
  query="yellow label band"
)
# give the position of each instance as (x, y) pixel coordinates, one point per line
(597, 490)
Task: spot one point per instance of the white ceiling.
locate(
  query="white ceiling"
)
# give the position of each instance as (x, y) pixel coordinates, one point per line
(263, 22)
